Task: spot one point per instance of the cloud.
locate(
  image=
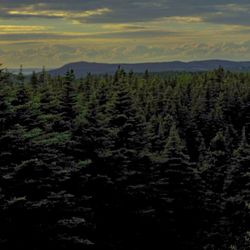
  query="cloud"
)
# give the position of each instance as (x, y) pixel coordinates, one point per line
(31, 12)
(31, 34)
(59, 54)
(123, 26)
(16, 37)
(124, 11)
(21, 28)
(185, 19)
(137, 34)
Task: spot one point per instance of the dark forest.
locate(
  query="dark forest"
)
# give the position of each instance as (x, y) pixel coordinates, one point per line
(125, 161)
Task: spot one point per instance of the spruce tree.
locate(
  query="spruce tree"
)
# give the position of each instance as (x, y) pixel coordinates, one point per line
(22, 108)
(237, 197)
(219, 160)
(34, 80)
(67, 103)
(127, 124)
(92, 134)
(20, 76)
(43, 77)
(5, 113)
(176, 187)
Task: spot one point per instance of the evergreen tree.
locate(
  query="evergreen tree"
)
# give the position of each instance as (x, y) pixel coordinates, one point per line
(237, 195)
(67, 103)
(86, 87)
(23, 114)
(219, 160)
(20, 76)
(34, 80)
(124, 161)
(5, 113)
(43, 77)
(177, 195)
(92, 135)
(127, 124)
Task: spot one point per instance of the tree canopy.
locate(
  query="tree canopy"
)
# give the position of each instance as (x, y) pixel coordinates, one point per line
(125, 161)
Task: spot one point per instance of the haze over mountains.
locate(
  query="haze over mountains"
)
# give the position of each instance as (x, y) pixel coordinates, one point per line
(82, 68)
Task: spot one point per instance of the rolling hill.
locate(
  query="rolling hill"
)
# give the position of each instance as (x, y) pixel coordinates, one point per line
(82, 68)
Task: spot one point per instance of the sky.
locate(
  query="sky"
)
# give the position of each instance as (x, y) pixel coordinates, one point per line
(54, 32)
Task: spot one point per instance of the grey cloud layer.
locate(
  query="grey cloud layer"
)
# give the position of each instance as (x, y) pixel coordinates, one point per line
(215, 11)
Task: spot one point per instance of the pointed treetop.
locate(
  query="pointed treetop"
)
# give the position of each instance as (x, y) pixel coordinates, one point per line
(70, 76)
(34, 79)
(173, 140)
(174, 145)
(20, 76)
(146, 75)
(218, 142)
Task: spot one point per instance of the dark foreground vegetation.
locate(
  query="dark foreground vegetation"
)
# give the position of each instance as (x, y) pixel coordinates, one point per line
(125, 162)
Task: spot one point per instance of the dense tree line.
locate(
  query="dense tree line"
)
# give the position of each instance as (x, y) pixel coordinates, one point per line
(125, 161)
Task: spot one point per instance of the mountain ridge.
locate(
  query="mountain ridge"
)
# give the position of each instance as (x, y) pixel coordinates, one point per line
(81, 68)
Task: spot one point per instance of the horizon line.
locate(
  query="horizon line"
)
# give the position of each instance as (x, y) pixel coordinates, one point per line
(126, 63)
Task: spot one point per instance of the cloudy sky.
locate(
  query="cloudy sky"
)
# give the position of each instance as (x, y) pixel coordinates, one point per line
(55, 32)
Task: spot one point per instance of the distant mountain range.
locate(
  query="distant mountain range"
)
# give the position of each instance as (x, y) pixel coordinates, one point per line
(82, 68)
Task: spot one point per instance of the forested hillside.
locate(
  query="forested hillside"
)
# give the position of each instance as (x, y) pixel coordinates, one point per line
(125, 161)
